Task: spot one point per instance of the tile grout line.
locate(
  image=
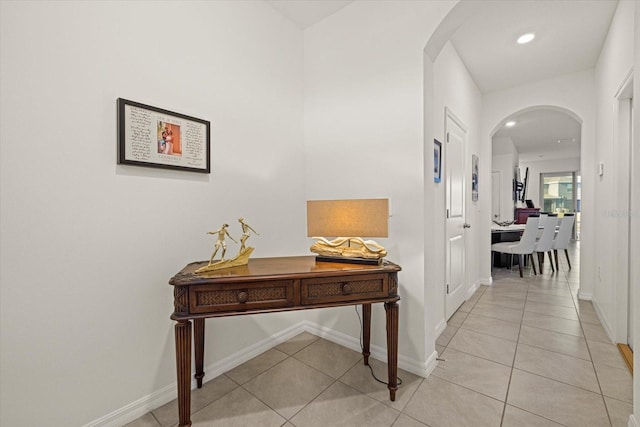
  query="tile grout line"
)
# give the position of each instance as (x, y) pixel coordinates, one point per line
(480, 357)
(242, 386)
(253, 395)
(587, 344)
(239, 385)
(530, 291)
(458, 327)
(518, 342)
(466, 388)
(308, 403)
(513, 363)
(155, 418)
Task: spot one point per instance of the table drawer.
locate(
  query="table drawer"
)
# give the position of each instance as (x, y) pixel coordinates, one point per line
(337, 289)
(241, 296)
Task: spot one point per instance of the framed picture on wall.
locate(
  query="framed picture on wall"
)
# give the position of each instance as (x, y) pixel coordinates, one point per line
(153, 137)
(474, 178)
(437, 160)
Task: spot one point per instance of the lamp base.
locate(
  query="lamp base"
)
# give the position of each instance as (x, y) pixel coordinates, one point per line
(346, 260)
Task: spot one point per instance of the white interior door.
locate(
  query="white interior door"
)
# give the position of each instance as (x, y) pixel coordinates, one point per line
(632, 173)
(624, 172)
(454, 167)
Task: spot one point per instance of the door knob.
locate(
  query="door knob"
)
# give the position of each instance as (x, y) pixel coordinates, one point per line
(466, 225)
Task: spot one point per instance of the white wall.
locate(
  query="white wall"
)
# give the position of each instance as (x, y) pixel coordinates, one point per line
(545, 166)
(87, 247)
(614, 65)
(455, 90)
(634, 235)
(504, 159)
(505, 164)
(364, 138)
(573, 92)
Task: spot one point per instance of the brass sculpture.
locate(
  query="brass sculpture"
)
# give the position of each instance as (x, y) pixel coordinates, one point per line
(243, 255)
(246, 228)
(356, 248)
(221, 232)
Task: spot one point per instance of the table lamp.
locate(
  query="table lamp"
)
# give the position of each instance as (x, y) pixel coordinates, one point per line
(348, 221)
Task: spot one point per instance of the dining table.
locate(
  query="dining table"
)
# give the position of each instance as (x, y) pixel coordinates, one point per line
(504, 233)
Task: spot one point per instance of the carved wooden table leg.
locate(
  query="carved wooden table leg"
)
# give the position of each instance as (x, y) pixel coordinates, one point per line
(183, 368)
(366, 331)
(392, 347)
(198, 335)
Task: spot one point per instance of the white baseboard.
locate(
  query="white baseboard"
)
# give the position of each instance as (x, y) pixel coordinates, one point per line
(136, 409)
(603, 321)
(440, 327)
(587, 296)
(472, 290)
(422, 369)
(486, 281)
(632, 421)
(430, 364)
(166, 394)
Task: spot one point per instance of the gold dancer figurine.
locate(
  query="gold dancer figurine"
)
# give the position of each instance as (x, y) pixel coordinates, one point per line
(246, 228)
(239, 260)
(221, 232)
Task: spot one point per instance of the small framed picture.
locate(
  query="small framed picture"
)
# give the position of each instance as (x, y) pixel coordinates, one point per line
(474, 178)
(153, 137)
(437, 160)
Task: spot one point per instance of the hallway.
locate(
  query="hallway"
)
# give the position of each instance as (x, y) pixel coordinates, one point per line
(523, 352)
(534, 343)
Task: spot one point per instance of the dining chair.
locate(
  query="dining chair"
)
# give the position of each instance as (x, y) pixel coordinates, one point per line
(543, 218)
(545, 242)
(522, 247)
(562, 238)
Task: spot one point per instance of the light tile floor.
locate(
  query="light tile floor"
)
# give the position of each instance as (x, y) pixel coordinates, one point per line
(523, 352)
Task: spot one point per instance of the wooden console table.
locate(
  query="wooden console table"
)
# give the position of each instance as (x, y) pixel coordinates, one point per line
(277, 284)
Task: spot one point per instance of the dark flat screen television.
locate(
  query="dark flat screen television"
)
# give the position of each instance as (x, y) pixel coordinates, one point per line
(523, 195)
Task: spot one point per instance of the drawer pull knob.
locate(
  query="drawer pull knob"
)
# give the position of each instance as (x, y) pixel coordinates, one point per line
(243, 297)
(346, 289)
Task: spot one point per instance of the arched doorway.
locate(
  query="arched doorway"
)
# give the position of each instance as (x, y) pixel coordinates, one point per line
(536, 163)
(572, 94)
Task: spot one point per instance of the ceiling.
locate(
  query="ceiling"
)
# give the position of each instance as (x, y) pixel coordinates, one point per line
(536, 135)
(305, 13)
(569, 38)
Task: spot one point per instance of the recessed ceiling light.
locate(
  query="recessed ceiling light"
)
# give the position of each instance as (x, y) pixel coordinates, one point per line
(526, 38)
(510, 124)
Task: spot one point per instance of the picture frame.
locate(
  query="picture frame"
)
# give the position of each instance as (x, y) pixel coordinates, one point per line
(153, 137)
(437, 160)
(474, 178)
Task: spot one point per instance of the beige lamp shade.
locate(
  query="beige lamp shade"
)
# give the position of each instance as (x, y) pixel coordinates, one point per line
(348, 218)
